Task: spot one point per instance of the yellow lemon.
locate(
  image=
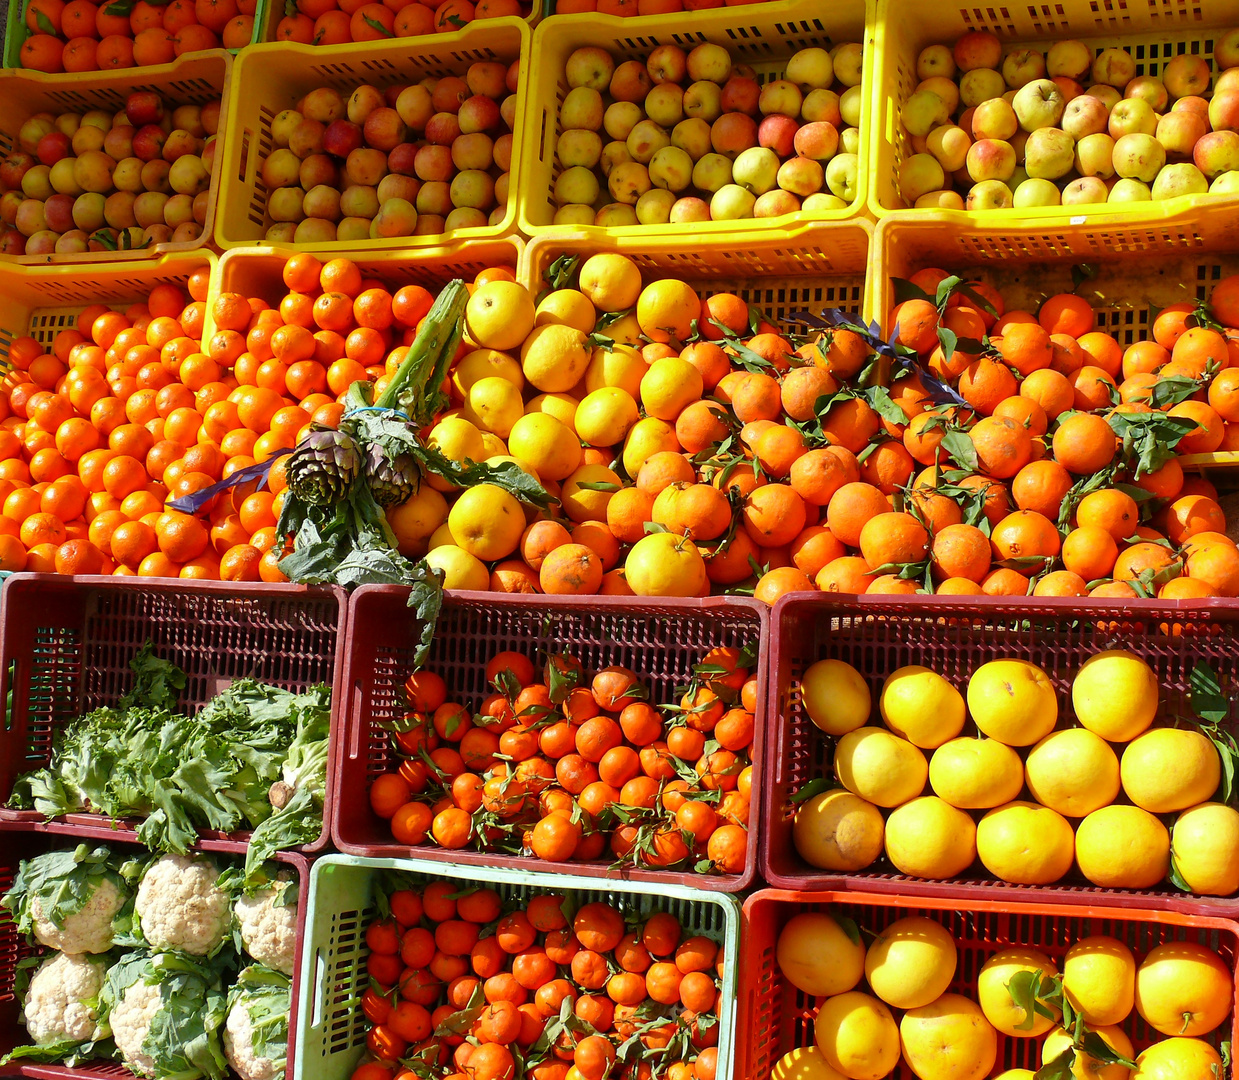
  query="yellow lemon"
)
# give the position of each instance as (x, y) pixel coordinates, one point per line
(911, 962)
(1099, 977)
(820, 957)
(548, 445)
(461, 570)
(416, 518)
(835, 696)
(1178, 1059)
(837, 830)
(568, 306)
(493, 445)
(930, 838)
(647, 437)
(487, 522)
(1073, 771)
(669, 386)
(1026, 843)
(457, 439)
(504, 459)
(587, 491)
(561, 406)
(996, 1001)
(1122, 847)
(499, 315)
(667, 310)
(1016, 1074)
(483, 364)
(610, 282)
(605, 416)
(554, 357)
(441, 537)
(976, 774)
(922, 706)
(1115, 695)
(494, 405)
(948, 1039)
(804, 1063)
(621, 366)
(626, 331)
(1160, 790)
(857, 1035)
(880, 767)
(1012, 701)
(665, 565)
(1085, 1066)
(1184, 989)
(1204, 841)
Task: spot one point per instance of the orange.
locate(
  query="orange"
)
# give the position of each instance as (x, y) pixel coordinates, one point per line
(1090, 551)
(1084, 444)
(1109, 509)
(181, 537)
(1066, 313)
(1027, 537)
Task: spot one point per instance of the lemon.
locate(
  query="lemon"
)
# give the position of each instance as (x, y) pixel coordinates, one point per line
(621, 366)
(457, 439)
(1204, 841)
(1178, 1059)
(669, 386)
(605, 416)
(1160, 790)
(1012, 701)
(568, 306)
(976, 774)
(837, 830)
(416, 518)
(1085, 1066)
(610, 282)
(626, 331)
(930, 838)
(482, 364)
(502, 459)
(880, 767)
(1184, 989)
(554, 357)
(922, 706)
(804, 1063)
(948, 1039)
(461, 570)
(1073, 771)
(587, 491)
(817, 955)
(1122, 847)
(1025, 843)
(835, 696)
(487, 522)
(499, 315)
(996, 1001)
(1115, 695)
(857, 1035)
(493, 446)
(647, 437)
(561, 406)
(494, 405)
(911, 962)
(1016, 1074)
(441, 537)
(1099, 977)
(547, 444)
(662, 564)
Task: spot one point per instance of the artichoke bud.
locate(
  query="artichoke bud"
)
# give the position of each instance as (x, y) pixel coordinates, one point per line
(393, 480)
(323, 467)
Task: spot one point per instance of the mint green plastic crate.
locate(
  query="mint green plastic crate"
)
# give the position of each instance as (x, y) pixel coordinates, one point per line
(331, 1029)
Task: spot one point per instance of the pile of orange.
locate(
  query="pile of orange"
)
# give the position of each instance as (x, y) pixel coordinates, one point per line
(337, 22)
(83, 36)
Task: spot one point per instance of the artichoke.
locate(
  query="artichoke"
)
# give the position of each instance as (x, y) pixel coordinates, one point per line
(322, 469)
(393, 480)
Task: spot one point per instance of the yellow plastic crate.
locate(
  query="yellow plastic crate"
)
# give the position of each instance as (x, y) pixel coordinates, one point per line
(764, 36)
(257, 271)
(272, 77)
(1153, 31)
(805, 269)
(40, 302)
(193, 79)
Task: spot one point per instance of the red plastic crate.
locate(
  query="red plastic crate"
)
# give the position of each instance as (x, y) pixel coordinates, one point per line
(954, 636)
(17, 843)
(659, 639)
(71, 640)
(774, 1017)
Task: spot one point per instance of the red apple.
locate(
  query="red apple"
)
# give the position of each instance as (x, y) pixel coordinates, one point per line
(118, 141)
(144, 107)
(478, 113)
(59, 213)
(449, 94)
(51, 148)
(383, 129)
(740, 95)
(778, 132)
(14, 167)
(733, 132)
(443, 128)
(341, 138)
(434, 163)
(400, 159)
(148, 142)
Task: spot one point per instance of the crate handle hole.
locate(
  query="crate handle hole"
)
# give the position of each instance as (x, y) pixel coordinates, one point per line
(320, 970)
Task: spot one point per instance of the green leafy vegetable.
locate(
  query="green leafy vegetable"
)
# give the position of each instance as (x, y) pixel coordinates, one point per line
(265, 995)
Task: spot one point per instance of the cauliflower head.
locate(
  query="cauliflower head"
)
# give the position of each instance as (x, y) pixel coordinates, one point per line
(268, 924)
(131, 1019)
(62, 1002)
(256, 1030)
(69, 899)
(89, 930)
(180, 905)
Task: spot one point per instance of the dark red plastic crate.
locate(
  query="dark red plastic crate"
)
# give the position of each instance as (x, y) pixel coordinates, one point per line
(17, 843)
(953, 636)
(774, 1017)
(71, 640)
(659, 639)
